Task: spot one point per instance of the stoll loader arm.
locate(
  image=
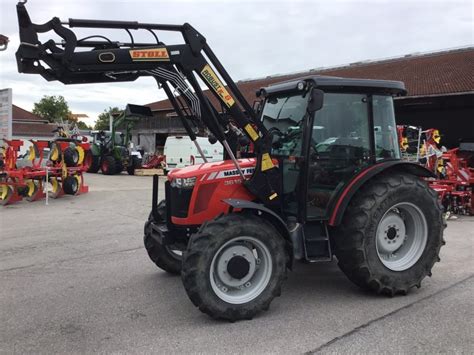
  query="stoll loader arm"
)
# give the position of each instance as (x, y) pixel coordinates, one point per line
(176, 68)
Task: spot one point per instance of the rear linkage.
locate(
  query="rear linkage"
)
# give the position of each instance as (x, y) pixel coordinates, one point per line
(176, 68)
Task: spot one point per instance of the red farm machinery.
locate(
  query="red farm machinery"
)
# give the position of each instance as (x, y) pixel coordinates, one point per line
(453, 169)
(55, 167)
(326, 178)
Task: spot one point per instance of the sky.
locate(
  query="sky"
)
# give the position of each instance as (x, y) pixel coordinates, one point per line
(251, 38)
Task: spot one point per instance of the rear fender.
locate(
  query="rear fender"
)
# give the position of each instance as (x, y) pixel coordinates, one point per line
(270, 216)
(342, 201)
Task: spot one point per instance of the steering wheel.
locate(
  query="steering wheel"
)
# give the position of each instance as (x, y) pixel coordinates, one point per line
(276, 130)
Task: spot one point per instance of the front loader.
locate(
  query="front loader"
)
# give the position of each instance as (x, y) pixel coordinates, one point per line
(326, 179)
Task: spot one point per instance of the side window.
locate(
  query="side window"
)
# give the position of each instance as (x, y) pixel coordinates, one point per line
(385, 129)
(341, 128)
(340, 147)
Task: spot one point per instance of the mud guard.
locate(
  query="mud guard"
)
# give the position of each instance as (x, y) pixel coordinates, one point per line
(270, 216)
(342, 201)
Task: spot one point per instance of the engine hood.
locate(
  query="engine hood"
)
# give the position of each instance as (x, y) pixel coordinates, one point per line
(220, 169)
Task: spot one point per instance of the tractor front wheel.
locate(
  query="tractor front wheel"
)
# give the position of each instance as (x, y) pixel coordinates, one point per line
(234, 266)
(165, 257)
(391, 234)
(92, 162)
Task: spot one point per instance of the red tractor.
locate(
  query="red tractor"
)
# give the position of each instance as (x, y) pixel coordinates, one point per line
(326, 180)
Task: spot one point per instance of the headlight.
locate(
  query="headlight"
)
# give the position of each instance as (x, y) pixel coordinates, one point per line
(183, 183)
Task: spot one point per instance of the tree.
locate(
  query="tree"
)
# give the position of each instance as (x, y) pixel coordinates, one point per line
(52, 108)
(82, 125)
(102, 122)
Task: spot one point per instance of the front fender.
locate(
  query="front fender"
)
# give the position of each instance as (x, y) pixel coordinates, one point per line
(341, 202)
(270, 216)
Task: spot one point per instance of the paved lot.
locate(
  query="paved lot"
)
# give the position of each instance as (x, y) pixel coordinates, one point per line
(74, 277)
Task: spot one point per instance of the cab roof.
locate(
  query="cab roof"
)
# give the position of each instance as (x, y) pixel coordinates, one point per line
(333, 83)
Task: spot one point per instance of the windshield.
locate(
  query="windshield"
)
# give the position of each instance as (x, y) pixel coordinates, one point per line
(283, 115)
(284, 111)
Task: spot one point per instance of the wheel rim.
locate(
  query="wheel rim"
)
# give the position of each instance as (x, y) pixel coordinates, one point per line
(74, 185)
(54, 155)
(6, 193)
(401, 237)
(105, 167)
(175, 253)
(54, 187)
(32, 189)
(241, 270)
(75, 156)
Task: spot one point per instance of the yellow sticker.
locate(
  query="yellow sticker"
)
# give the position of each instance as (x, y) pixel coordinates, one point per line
(267, 162)
(211, 77)
(149, 55)
(272, 197)
(252, 133)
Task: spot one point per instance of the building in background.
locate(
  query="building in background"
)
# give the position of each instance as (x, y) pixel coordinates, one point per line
(440, 94)
(27, 125)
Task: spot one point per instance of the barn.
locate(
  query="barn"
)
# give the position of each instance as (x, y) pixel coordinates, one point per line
(440, 94)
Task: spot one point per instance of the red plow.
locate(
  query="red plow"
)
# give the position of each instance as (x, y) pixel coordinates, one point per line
(55, 168)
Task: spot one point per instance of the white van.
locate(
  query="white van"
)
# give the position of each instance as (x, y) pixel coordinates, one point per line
(180, 151)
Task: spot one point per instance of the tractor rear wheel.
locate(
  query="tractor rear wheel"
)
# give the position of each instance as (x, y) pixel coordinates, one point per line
(108, 165)
(391, 234)
(165, 257)
(234, 266)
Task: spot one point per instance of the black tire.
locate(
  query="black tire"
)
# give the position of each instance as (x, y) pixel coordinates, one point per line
(205, 246)
(71, 156)
(93, 162)
(134, 163)
(70, 185)
(108, 165)
(162, 256)
(118, 167)
(355, 240)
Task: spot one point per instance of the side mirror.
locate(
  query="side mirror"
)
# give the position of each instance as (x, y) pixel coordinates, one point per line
(257, 107)
(316, 100)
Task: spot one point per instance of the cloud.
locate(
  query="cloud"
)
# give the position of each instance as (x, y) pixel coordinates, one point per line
(251, 38)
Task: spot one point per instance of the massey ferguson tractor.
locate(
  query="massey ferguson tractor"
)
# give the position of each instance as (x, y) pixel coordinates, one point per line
(326, 180)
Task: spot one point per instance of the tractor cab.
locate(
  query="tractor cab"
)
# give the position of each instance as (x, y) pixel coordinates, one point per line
(320, 149)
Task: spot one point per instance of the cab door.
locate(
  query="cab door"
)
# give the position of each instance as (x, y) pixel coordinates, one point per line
(339, 147)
